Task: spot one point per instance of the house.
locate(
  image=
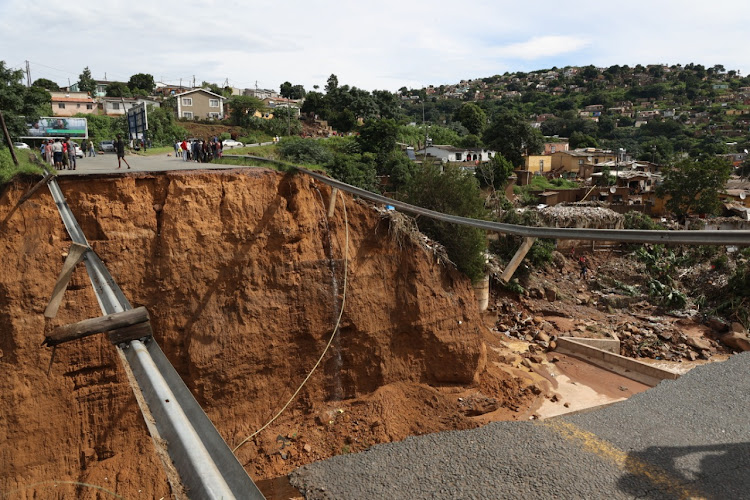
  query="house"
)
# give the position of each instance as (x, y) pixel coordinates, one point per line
(200, 104)
(451, 154)
(114, 106)
(261, 93)
(101, 87)
(72, 103)
(561, 144)
(537, 164)
(574, 161)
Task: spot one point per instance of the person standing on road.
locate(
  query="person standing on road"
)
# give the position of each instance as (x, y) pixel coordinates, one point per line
(48, 153)
(185, 152)
(120, 150)
(71, 153)
(92, 149)
(57, 154)
(177, 149)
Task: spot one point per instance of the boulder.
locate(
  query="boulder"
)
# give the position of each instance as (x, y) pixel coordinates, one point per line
(698, 344)
(736, 340)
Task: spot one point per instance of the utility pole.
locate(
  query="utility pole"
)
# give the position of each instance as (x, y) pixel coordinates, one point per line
(7, 139)
(28, 74)
(193, 81)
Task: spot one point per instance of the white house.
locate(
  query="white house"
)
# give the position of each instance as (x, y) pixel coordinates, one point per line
(200, 104)
(452, 154)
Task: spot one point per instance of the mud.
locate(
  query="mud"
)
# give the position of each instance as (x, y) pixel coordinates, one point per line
(243, 277)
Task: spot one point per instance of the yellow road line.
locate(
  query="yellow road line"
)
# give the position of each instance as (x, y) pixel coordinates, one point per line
(593, 444)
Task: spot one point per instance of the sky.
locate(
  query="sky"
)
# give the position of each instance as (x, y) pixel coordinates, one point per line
(371, 45)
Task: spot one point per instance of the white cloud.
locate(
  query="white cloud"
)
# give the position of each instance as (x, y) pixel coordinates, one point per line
(387, 44)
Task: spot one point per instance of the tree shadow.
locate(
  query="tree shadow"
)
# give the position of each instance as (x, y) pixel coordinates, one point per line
(706, 471)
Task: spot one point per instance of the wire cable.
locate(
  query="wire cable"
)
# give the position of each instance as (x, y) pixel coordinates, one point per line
(330, 341)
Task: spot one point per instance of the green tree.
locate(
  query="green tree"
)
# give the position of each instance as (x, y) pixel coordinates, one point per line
(693, 185)
(472, 117)
(242, 108)
(511, 136)
(453, 192)
(86, 82)
(118, 89)
(581, 140)
(378, 137)
(20, 104)
(495, 172)
(46, 84)
(314, 103)
(142, 81)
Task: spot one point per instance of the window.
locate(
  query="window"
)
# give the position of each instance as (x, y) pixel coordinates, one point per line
(89, 106)
(187, 101)
(580, 162)
(552, 149)
(187, 114)
(213, 115)
(115, 105)
(61, 105)
(458, 156)
(213, 103)
(78, 105)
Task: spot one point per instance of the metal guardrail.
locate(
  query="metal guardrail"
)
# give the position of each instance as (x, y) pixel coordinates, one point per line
(729, 237)
(206, 465)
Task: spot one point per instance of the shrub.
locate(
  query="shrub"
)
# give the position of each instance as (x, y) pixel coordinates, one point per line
(309, 151)
(453, 192)
(639, 220)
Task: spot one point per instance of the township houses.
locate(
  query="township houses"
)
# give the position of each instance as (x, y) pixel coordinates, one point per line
(115, 106)
(272, 103)
(200, 104)
(72, 103)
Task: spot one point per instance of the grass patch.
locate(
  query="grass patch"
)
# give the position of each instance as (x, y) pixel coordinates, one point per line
(8, 170)
(269, 151)
(162, 150)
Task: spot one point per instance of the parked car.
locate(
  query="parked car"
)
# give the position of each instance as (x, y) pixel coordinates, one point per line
(79, 151)
(21, 145)
(230, 144)
(107, 146)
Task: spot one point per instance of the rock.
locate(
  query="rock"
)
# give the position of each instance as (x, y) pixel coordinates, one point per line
(552, 345)
(526, 363)
(538, 320)
(691, 355)
(539, 359)
(542, 337)
(738, 328)
(717, 324)
(551, 294)
(555, 359)
(666, 336)
(734, 340)
(566, 405)
(307, 448)
(698, 344)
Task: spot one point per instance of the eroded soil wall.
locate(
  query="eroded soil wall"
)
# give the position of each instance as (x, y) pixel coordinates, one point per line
(243, 276)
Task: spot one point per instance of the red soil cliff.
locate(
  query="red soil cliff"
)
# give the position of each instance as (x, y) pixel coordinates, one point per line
(243, 276)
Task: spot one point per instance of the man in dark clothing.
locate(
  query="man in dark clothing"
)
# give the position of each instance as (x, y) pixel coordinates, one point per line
(120, 150)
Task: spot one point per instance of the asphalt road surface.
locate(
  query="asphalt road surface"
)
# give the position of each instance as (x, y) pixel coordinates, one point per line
(688, 438)
(107, 163)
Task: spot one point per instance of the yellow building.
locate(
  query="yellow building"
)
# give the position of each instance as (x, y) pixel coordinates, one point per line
(574, 161)
(538, 164)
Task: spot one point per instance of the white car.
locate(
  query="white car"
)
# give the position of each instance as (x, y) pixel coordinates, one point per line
(231, 144)
(79, 151)
(21, 145)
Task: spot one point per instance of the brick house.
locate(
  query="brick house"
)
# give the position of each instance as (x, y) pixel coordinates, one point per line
(200, 104)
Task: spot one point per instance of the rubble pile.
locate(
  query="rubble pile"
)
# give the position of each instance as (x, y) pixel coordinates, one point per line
(581, 217)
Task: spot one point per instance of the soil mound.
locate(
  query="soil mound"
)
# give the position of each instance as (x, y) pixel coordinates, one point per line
(243, 276)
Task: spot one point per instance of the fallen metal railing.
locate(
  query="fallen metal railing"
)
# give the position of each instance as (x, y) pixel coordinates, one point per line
(206, 465)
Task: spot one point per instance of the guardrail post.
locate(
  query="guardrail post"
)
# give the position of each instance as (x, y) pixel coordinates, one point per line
(517, 258)
(332, 202)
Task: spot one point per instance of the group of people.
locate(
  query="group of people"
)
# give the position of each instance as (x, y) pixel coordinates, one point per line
(198, 150)
(61, 154)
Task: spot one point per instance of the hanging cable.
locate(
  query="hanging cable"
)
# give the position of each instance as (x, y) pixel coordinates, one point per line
(330, 340)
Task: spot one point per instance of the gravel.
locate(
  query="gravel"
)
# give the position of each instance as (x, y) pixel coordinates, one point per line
(688, 437)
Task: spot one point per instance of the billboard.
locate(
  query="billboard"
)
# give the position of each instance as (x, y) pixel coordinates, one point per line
(137, 122)
(47, 126)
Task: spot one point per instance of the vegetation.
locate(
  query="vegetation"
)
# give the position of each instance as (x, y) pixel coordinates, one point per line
(8, 170)
(20, 104)
(452, 192)
(693, 185)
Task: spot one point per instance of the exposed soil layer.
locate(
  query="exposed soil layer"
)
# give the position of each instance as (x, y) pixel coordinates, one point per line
(243, 276)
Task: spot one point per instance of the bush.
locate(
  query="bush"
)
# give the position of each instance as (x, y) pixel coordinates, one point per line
(308, 151)
(355, 169)
(453, 192)
(639, 220)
